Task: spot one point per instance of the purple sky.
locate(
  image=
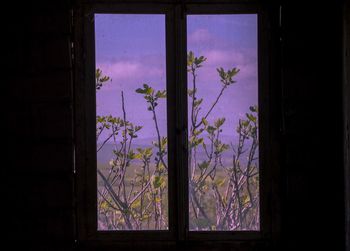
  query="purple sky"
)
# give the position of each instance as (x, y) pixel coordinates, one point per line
(226, 41)
(131, 50)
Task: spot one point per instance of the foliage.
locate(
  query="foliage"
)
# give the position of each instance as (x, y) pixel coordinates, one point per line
(229, 201)
(221, 196)
(100, 79)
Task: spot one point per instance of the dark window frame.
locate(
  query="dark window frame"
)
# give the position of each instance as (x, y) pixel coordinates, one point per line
(176, 58)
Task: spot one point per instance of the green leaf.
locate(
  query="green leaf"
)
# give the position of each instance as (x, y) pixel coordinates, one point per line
(225, 147)
(149, 90)
(219, 122)
(203, 165)
(104, 79)
(138, 128)
(253, 108)
(198, 102)
(138, 156)
(221, 72)
(198, 61)
(191, 92)
(158, 182)
(161, 94)
(245, 199)
(198, 141)
(141, 91)
(197, 132)
(163, 143)
(245, 123)
(251, 117)
(211, 129)
(232, 72)
(136, 204)
(190, 58)
(131, 155)
(100, 119)
(148, 152)
(219, 182)
(204, 121)
(98, 73)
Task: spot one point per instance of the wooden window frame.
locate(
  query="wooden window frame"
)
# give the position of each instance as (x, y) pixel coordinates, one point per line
(269, 91)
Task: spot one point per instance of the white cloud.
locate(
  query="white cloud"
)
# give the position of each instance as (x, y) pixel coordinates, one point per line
(130, 73)
(200, 36)
(246, 61)
(229, 56)
(120, 70)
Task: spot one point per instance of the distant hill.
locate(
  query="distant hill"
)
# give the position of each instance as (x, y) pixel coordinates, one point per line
(106, 153)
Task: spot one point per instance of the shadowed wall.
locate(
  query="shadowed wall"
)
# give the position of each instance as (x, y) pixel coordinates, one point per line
(39, 181)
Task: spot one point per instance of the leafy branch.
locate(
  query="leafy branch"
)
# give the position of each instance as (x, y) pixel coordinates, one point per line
(222, 195)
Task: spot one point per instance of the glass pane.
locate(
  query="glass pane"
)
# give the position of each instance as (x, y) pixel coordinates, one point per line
(131, 123)
(223, 122)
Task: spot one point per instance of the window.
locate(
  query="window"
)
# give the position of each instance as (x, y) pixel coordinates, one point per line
(131, 122)
(173, 122)
(223, 160)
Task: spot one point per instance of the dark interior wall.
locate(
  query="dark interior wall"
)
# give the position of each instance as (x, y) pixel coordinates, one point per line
(38, 182)
(312, 76)
(346, 112)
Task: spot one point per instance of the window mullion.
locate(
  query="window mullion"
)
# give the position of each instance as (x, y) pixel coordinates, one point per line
(171, 117)
(181, 120)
